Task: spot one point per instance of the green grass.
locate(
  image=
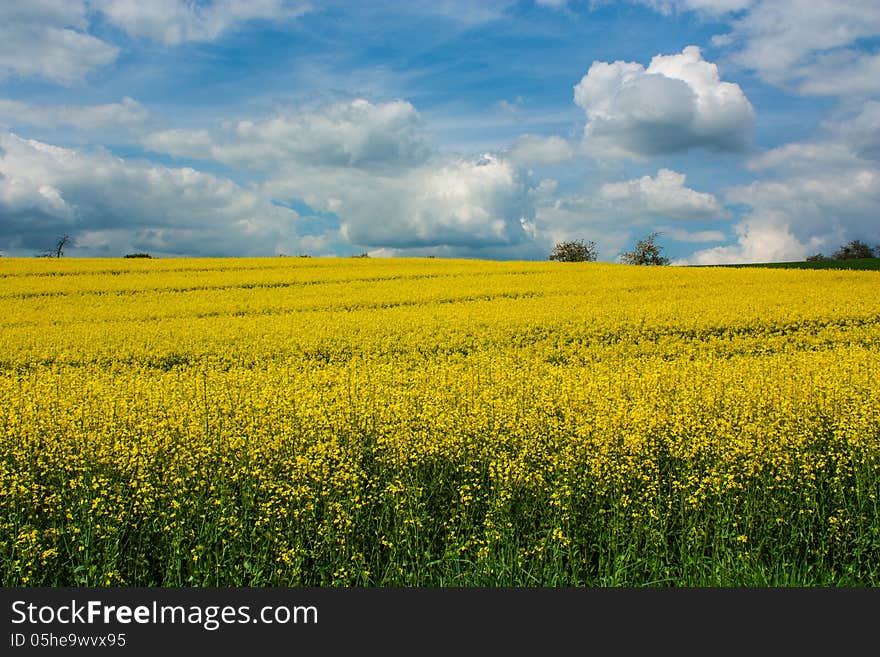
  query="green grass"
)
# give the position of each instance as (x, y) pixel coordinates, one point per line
(865, 264)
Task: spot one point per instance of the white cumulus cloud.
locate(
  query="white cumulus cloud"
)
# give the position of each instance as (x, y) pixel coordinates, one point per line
(48, 39)
(678, 103)
(664, 195)
(463, 203)
(617, 212)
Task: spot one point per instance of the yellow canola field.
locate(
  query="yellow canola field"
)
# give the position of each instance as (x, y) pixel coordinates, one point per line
(312, 421)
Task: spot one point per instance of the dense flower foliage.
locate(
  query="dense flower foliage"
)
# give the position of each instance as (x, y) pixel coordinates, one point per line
(312, 421)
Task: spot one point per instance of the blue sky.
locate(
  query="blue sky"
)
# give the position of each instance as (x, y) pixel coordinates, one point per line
(741, 130)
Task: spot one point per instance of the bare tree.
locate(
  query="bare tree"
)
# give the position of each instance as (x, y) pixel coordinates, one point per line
(58, 250)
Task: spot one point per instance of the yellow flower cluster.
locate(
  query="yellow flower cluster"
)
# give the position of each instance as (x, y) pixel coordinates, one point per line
(303, 421)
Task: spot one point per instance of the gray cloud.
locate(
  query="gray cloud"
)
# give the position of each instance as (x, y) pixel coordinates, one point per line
(861, 133)
(373, 167)
(356, 133)
(536, 149)
(109, 204)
